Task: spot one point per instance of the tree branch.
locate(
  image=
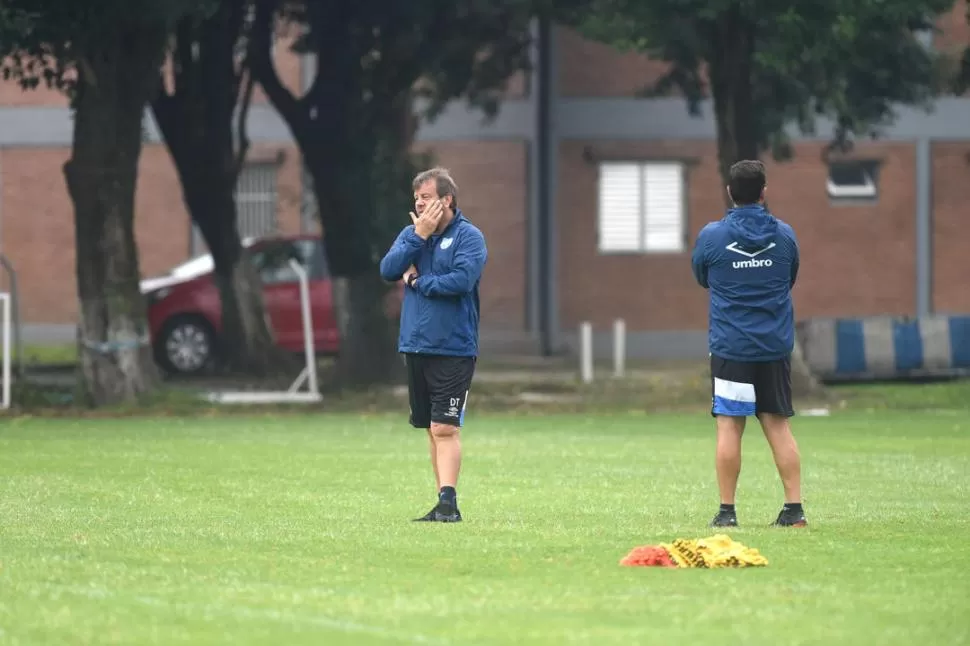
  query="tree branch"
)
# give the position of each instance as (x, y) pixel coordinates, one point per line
(235, 27)
(261, 61)
(243, 137)
(182, 64)
(337, 48)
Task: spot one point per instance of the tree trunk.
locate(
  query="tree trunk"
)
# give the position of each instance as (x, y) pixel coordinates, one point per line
(246, 344)
(335, 128)
(730, 73)
(196, 123)
(368, 344)
(113, 87)
(731, 84)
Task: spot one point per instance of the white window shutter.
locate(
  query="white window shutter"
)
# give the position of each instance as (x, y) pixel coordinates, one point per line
(663, 189)
(620, 199)
(256, 199)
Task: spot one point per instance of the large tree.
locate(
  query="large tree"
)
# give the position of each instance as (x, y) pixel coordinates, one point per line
(206, 85)
(369, 59)
(107, 54)
(769, 65)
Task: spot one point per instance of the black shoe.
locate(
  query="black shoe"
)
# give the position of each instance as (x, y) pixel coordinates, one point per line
(443, 512)
(725, 519)
(446, 512)
(790, 518)
(428, 517)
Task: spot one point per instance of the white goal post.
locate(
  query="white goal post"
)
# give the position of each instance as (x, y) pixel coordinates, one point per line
(5, 303)
(308, 374)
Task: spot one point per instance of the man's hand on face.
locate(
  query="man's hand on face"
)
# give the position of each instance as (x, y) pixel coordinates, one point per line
(412, 271)
(426, 224)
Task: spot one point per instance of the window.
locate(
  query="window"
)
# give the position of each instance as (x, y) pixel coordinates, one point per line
(853, 180)
(256, 199)
(256, 204)
(641, 207)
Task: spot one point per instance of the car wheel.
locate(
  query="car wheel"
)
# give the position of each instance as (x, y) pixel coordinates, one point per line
(187, 345)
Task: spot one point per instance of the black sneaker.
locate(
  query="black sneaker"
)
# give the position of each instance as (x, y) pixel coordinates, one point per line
(725, 519)
(428, 517)
(790, 518)
(443, 512)
(446, 512)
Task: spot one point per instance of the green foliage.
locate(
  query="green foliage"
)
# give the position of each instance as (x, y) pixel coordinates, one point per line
(394, 168)
(355, 118)
(848, 60)
(45, 39)
(467, 48)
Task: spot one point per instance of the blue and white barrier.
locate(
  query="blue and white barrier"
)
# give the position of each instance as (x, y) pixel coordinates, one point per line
(886, 347)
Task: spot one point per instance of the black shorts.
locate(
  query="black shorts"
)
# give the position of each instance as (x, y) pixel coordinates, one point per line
(438, 388)
(744, 388)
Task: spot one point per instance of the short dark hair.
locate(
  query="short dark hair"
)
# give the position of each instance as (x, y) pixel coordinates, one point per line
(746, 181)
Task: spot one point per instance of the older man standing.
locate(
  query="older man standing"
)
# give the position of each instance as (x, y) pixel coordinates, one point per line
(440, 256)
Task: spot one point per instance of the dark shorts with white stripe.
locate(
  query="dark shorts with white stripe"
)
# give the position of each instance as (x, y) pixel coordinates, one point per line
(745, 388)
(438, 388)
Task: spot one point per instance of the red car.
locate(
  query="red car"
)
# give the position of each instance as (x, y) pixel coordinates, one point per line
(185, 311)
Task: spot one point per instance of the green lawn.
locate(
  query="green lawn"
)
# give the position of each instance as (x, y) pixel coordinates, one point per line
(296, 530)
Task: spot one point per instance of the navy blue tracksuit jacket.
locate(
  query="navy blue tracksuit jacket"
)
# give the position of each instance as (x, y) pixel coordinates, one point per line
(749, 262)
(441, 314)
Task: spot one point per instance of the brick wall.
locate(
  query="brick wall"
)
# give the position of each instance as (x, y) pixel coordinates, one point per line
(951, 227)
(491, 178)
(840, 244)
(954, 33)
(857, 260)
(38, 222)
(589, 68)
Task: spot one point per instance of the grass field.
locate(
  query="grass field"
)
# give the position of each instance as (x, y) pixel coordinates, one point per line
(296, 530)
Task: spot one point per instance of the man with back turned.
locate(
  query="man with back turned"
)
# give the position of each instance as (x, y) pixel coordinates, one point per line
(748, 261)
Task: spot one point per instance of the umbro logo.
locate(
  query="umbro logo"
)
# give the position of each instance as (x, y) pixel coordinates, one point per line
(753, 260)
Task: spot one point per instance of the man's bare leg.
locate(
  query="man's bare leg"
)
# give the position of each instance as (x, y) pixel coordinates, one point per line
(729, 433)
(728, 462)
(777, 431)
(448, 454)
(447, 444)
(433, 450)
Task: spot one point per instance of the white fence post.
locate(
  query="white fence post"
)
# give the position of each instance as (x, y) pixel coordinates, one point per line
(586, 351)
(619, 347)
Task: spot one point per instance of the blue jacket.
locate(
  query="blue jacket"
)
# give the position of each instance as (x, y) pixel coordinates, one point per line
(440, 314)
(749, 261)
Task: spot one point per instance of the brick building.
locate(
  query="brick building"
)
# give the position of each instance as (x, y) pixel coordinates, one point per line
(589, 196)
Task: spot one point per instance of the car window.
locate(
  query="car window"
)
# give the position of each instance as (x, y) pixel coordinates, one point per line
(272, 261)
